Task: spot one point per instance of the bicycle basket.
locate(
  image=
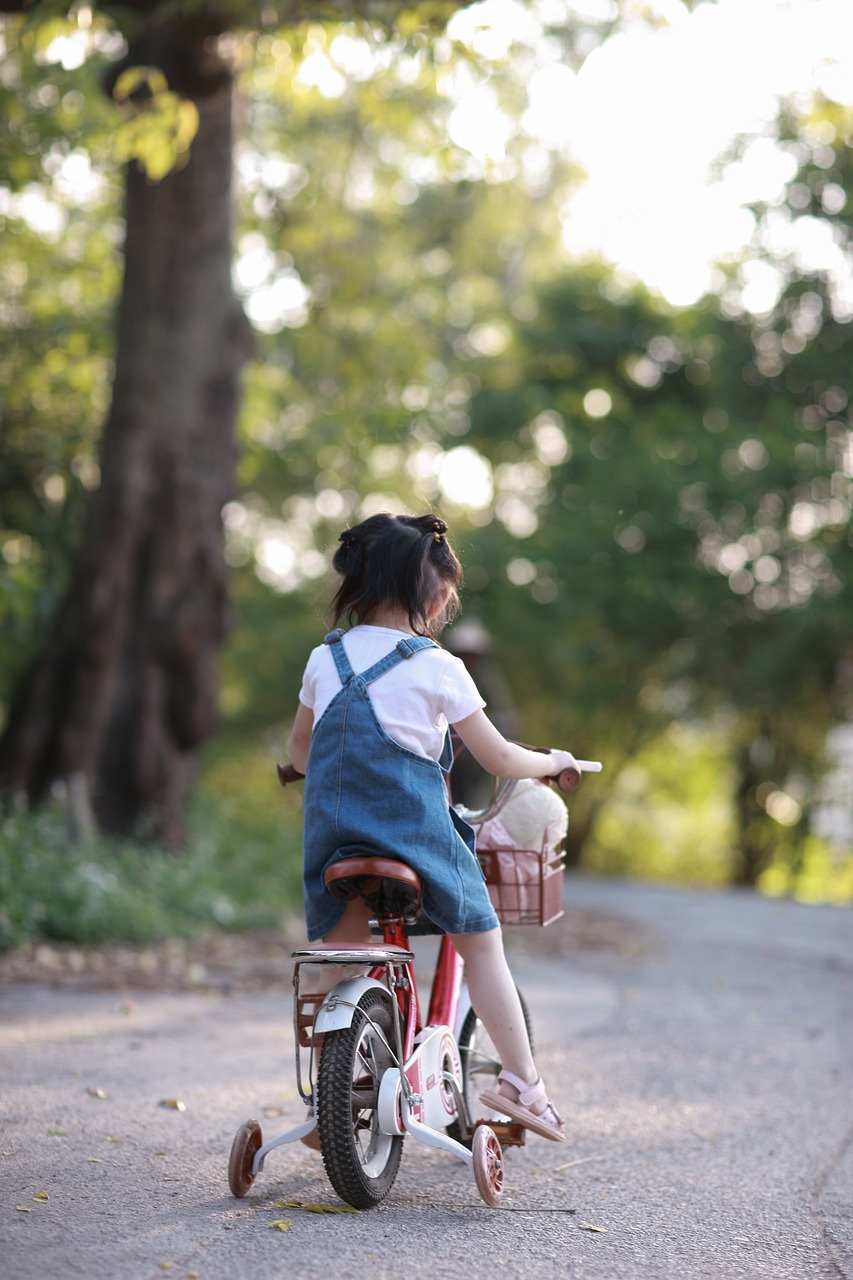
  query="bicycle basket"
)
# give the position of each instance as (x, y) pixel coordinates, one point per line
(525, 885)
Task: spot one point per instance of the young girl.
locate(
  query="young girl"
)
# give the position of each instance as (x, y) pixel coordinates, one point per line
(371, 736)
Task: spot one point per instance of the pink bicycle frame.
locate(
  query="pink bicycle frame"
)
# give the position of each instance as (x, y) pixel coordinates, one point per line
(444, 996)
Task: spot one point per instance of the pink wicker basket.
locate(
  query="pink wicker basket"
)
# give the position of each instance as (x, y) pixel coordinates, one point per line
(525, 886)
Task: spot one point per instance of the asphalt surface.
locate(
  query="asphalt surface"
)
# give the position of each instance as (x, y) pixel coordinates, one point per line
(700, 1046)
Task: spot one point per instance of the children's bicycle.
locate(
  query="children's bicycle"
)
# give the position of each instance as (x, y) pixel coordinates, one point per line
(376, 1068)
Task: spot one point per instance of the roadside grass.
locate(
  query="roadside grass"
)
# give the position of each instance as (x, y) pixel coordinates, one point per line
(229, 877)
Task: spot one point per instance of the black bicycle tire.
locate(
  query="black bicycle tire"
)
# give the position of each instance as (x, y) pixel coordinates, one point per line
(343, 1129)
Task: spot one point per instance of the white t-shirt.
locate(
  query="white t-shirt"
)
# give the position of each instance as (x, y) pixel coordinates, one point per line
(414, 701)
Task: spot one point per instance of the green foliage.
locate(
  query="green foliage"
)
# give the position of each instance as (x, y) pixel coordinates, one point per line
(408, 257)
(819, 874)
(668, 531)
(59, 277)
(239, 773)
(229, 877)
(669, 814)
(687, 535)
(601, 565)
(156, 133)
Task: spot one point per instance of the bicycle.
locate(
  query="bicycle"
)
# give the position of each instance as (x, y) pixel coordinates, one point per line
(383, 1071)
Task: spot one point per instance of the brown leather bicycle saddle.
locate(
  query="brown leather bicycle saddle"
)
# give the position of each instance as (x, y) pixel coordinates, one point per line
(387, 886)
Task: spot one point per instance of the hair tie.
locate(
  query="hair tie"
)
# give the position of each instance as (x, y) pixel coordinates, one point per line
(437, 537)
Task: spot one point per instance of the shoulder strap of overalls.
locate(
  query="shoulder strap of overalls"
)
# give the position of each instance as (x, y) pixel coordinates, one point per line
(406, 648)
(339, 653)
(403, 650)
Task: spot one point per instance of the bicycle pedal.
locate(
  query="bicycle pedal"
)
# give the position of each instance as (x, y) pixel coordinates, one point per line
(509, 1133)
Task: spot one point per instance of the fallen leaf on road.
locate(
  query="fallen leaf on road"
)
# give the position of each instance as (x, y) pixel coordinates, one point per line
(316, 1208)
(281, 1224)
(22, 1208)
(174, 1104)
(41, 1195)
(589, 1226)
(97, 1093)
(57, 1133)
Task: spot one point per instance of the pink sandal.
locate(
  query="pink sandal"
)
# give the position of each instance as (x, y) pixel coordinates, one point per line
(547, 1124)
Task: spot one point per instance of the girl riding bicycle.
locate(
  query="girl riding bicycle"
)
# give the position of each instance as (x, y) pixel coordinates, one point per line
(371, 736)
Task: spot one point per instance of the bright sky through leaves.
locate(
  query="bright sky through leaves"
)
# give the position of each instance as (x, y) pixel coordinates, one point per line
(647, 117)
(653, 109)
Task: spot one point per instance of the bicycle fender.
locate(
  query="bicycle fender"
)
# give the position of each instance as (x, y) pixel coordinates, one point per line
(336, 1011)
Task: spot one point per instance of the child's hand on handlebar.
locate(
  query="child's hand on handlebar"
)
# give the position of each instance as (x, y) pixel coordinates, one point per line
(568, 770)
(562, 760)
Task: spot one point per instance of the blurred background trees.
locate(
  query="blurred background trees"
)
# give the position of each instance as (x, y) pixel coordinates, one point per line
(652, 503)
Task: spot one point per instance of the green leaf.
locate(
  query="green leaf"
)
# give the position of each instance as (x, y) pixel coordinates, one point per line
(134, 78)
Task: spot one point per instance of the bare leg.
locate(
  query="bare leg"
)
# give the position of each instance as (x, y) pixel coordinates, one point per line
(495, 998)
(353, 926)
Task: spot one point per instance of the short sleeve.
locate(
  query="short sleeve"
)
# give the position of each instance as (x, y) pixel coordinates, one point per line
(458, 694)
(308, 692)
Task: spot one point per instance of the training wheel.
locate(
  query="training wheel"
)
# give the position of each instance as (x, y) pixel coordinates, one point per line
(488, 1165)
(243, 1148)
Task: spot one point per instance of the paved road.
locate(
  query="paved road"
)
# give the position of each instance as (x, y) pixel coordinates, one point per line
(701, 1046)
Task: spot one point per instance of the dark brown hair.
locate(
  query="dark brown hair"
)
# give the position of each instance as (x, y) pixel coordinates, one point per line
(405, 560)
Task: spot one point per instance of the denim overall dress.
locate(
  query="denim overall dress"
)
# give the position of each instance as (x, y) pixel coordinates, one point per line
(366, 794)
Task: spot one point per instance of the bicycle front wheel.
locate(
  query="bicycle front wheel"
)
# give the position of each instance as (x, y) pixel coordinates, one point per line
(361, 1161)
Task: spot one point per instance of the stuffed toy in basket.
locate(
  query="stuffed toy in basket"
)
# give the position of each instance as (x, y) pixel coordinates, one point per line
(519, 848)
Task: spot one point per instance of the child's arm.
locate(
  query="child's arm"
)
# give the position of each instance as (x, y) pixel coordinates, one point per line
(300, 737)
(506, 759)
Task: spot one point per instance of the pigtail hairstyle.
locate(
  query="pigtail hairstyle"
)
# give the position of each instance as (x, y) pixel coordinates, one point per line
(403, 559)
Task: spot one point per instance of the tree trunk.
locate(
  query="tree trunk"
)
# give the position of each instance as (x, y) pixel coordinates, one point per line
(754, 838)
(126, 689)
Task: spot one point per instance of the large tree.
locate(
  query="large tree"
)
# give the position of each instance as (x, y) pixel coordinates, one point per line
(124, 690)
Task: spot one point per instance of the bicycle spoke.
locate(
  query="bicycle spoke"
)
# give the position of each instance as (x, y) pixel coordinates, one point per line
(485, 1067)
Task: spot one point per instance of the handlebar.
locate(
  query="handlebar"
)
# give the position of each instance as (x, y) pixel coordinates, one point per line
(570, 779)
(287, 773)
(567, 780)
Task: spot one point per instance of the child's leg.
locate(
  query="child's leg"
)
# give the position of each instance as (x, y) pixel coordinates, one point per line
(493, 995)
(353, 926)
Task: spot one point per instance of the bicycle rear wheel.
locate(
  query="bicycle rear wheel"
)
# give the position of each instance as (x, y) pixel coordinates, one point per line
(361, 1161)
